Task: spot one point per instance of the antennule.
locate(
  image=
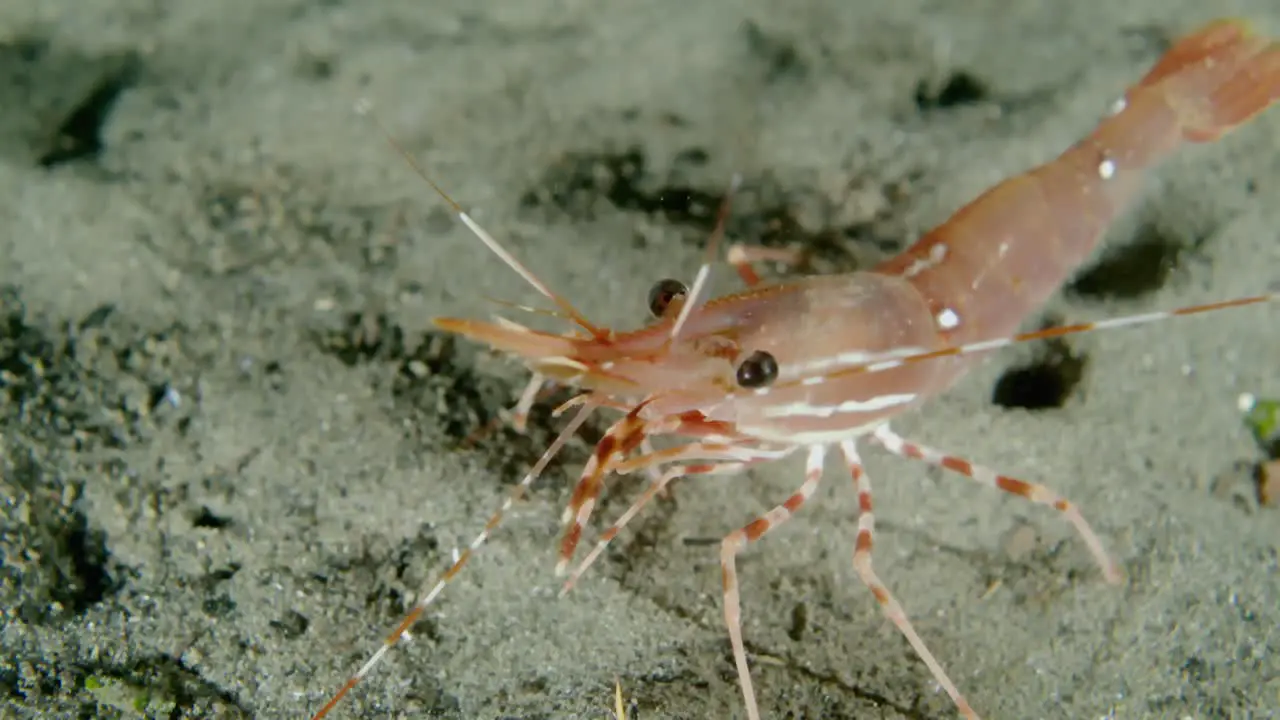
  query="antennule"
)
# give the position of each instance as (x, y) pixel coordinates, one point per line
(704, 270)
(364, 108)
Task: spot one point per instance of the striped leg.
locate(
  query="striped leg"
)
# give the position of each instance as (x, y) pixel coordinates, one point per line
(519, 415)
(718, 459)
(654, 473)
(623, 437)
(734, 543)
(657, 487)
(1040, 494)
(425, 599)
(862, 564)
(631, 433)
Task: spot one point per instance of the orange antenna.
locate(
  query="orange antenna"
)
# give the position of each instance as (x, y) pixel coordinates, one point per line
(890, 362)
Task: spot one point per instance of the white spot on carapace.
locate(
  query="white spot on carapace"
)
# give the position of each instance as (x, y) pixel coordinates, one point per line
(1246, 402)
(804, 409)
(1107, 169)
(760, 392)
(606, 365)
(916, 267)
(815, 380)
(1118, 106)
(937, 253)
(1003, 249)
(948, 319)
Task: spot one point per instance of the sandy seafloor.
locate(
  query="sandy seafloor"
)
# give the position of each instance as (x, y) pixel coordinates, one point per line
(219, 495)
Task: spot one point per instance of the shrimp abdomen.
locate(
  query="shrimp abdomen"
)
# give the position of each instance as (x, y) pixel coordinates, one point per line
(999, 258)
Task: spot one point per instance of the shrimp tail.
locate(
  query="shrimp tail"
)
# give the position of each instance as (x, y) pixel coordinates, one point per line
(999, 258)
(1217, 78)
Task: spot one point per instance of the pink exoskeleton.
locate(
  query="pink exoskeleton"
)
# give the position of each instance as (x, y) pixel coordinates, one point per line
(820, 363)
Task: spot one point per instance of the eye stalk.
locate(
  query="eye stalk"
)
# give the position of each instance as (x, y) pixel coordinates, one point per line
(758, 370)
(663, 294)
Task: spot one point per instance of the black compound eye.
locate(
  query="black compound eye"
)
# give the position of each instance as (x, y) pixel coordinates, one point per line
(663, 293)
(758, 370)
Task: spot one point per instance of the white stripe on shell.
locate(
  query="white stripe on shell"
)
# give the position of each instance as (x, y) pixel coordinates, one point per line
(844, 360)
(806, 409)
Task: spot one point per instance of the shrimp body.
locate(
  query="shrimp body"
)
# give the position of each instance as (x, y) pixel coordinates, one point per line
(811, 328)
(821, 363)
(976, 278)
